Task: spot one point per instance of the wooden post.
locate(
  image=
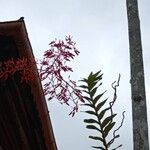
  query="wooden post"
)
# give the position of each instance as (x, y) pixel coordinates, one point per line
(139, 108)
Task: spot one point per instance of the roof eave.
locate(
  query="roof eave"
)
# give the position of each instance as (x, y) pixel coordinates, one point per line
(17, 30)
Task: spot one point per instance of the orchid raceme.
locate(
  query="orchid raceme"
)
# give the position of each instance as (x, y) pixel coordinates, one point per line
(52, 71)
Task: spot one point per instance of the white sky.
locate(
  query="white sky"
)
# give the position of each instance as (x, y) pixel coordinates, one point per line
(99, 27)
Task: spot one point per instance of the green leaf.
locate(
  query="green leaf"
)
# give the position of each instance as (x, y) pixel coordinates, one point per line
(91, 85)
(108, 128)
(94, 77)
(101, 115)
(98, 107)
(91, 112)
(91, 121)
(92, 93)
(90, 78)
(85, 91)
(97, 98)
(107, 120)
(84, 80)
(91, 74)
(84, 86)
(93, 127)
(99, 77)
(98, 147)
(97, 73)
(90, 105)
(97, 138)
(87, 98)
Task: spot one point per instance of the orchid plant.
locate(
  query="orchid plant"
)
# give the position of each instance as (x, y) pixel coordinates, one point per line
(52, 69)
(102, 117)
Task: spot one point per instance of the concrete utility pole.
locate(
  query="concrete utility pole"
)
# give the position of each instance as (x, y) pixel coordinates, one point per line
(139, 109)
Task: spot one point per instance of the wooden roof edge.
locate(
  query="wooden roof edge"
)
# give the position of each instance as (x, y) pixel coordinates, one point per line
(13, 21)
(36, 84)
(43, 103)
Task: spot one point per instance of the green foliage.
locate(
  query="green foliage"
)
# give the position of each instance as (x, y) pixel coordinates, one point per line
(103, 123)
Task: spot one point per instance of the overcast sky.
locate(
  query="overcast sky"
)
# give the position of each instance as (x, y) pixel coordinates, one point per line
(99, 27)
